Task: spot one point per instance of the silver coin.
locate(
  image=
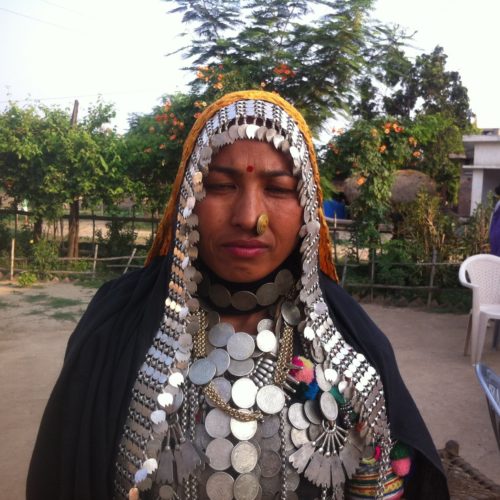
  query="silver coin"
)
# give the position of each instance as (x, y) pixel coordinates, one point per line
(243, 430)
(266, 341)
(220, 358)
(202, 371)
(240, 346)
(177, 403)
(290, 313)
(311, 409)
(201, 437)
(220, 333)
(246, 487)
(244, 457)
(323, 384)
(270, 425)
(219, 453)
(220, 295)
(244, 301)
(299, 437)
(270, 399)
(271, 443)
(267, 294)
(292, 479)
(241, 368)
(297, 417)
(270, 463)
(217, 423)
(244, 392)
(213, 319)
(220, 486)
(223, 387)
(270, 486)
(265, 324)
(284, 281)
(166, 492)
(328, 406)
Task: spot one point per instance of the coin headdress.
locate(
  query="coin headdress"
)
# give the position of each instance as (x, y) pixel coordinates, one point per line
(157, 447)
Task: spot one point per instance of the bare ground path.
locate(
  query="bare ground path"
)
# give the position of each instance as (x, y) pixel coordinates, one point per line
(35, 325)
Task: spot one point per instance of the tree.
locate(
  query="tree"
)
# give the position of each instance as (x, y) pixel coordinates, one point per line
(309, 55)
(372, 151)
(48, 162)
(24, 137)
(152, 147)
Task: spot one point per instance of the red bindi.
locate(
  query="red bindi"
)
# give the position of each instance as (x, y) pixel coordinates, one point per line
(250, 168)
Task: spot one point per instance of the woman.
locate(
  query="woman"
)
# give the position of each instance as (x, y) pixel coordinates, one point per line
(264, 379)
(495, 225)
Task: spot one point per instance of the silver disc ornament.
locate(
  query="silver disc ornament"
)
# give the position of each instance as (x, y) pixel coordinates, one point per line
(244, 392)
(202, 371)
(220, 333)
(270, 399)
(240, 346)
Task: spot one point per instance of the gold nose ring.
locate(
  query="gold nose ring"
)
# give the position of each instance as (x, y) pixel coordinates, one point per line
(262, 223)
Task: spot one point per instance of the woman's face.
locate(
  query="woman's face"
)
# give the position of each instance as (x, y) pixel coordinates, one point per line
(246, 179)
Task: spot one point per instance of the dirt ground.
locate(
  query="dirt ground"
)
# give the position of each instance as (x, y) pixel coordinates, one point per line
(35, 324)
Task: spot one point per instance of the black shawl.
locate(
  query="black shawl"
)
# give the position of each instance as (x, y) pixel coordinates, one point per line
(77, 442)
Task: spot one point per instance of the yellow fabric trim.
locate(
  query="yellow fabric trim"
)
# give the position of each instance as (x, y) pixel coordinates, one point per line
(162, 242)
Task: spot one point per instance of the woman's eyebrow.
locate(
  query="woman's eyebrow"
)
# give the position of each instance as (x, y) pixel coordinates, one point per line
(236, 172)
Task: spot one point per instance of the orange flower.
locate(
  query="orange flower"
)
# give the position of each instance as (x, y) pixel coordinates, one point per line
(417, 154)
(387, 131)
(218, 85)
(412, 141)
(199, 74)
(147, 150)
(382, 148)
(173, 137)
(162, 146)
(263, 84)
(374, 132)
(360, 181)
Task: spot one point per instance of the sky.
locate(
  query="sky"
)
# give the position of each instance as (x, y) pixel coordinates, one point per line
(56, 51)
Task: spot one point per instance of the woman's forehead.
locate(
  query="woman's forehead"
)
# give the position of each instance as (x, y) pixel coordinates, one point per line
(250, 155)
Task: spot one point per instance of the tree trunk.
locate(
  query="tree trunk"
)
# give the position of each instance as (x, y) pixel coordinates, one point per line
(73, 229)
(37, 229)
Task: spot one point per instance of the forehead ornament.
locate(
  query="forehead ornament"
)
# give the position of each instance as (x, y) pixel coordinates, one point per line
(262, 223)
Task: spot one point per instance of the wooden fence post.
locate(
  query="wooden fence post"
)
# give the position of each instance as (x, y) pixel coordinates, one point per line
(130, 260)
(94, 263)
(372, 272)
(12, 252)
(431, 279)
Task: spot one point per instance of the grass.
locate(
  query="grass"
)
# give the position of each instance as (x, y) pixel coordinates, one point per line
(36, 312)
(64, 315)
(41, 297)
(58, 302)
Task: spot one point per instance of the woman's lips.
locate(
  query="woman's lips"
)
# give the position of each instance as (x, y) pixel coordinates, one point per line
(245, 248)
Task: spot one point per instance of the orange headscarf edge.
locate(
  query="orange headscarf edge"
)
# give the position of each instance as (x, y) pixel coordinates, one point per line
(162, 241)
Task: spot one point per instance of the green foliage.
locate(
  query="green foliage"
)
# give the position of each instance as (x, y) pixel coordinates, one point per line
(44, 258)
(152, 148)
(5, 238)
(428, 226)
(26, 279)
(48, 162)
(438, 136)
(474, 234)
(275, 45)
(118, 241)
(396, 264)
(373, 151)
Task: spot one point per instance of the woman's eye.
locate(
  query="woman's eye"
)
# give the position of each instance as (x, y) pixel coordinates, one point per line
(281, 190)
(219, 186)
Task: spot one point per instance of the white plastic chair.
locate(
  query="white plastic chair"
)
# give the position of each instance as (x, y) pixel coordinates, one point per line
(490, 383)
(481, 273)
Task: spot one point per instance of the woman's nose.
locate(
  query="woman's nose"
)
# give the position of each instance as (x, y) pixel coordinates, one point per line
(247, 207)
